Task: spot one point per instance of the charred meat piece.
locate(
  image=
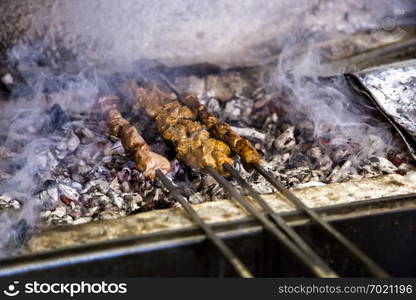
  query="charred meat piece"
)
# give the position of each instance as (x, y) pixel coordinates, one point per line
(116, 122)
(177, 124)
(133, 143)
(223, 132)
(150, 99)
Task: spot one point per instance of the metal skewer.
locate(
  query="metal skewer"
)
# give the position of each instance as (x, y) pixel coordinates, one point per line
(372, 266)
(270, 227)
(229, 255)
(308, 251)
(278, 219)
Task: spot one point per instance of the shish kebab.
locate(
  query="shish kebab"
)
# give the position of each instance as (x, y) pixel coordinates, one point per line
(133, 143)
(219, 130)
(177, 123)
(154, 165)
(224, 132)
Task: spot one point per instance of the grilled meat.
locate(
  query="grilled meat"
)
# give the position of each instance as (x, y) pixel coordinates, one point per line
(134, 144)
(177, 124)
(223, 132)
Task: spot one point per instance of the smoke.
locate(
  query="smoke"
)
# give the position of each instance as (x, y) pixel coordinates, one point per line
(32, 123)
(341, 117)
(114, 34)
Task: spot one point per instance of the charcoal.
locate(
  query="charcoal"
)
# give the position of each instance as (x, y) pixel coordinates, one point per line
(59, 212)
(217, 88)
(68, 192)
(280, 160)
(18, 234)
(77, 186)
(384, 165)
(115, 148)
(7, 201)
(73, 142)
(286, 141)
(405, 167)
(306, 129)
(190, 84)
(213, 105)
(67, 220)
(342, 173)
(299, 175)
(196, 198)
(56, 119)
(250, 133)
(125, 187)
(262, 102)
(101, 185)
(15, 204)
(85, 135)
(118, 201)
(48, 193)
(341, 154)
(325, 163)
(238, 111)
(87, 176)
(7, 79)
(315, 153)
(258, 93)
(134, 201)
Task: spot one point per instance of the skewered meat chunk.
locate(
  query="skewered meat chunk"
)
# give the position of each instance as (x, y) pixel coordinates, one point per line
(116, 122)
(148, 162)
(150, 99)
(133, 143)
(131, 139)
(240, 145)
(177, 124)
(223, 132)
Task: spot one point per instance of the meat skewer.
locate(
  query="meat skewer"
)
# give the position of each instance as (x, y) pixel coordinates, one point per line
(220, 130)
(154, 165)
(133, 143)
(177, 124)
(253, 161)
(223, 131)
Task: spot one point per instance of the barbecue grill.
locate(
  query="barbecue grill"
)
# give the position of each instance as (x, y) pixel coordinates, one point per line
(266, 224)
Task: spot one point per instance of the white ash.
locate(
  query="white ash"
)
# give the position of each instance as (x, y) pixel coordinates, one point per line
(286, 141)
(291, 149)
(237, 110)
(88, 176)
(7, 201)
(227, 85)
(191, 84)
(250, 133)
(7, 79)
